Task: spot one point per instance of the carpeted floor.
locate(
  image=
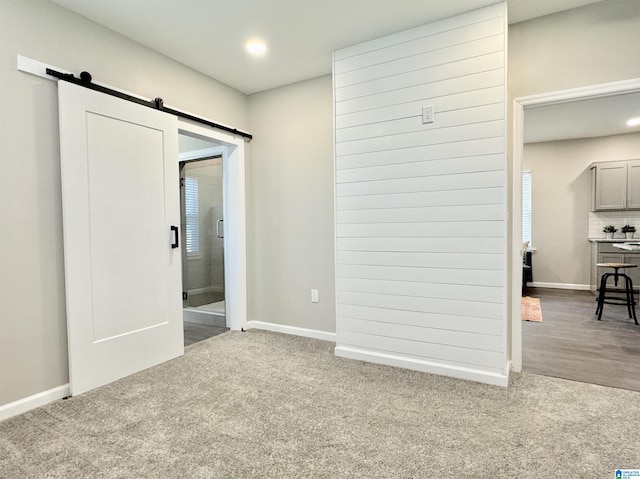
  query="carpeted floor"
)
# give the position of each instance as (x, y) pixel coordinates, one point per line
(266, 405)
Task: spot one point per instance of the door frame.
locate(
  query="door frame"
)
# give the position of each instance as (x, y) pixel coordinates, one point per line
(519, 105)
(231, 148)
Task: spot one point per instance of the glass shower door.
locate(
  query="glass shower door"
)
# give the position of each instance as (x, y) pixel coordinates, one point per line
(202, 235)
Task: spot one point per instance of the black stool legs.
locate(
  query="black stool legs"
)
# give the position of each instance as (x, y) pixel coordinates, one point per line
(627, 299)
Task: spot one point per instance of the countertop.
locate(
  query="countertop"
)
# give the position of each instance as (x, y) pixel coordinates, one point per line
(614, 240)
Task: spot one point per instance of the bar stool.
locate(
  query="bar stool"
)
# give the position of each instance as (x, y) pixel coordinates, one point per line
(627, 299)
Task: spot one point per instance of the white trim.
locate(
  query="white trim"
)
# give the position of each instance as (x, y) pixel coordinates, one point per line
(214, 151)
(550, 98)
(577, 287)
(424, 366)
(34, 401)
(516, 238)
(581, 93)
(506, 356)
(235, 238)
(283, 328)
(29, 65)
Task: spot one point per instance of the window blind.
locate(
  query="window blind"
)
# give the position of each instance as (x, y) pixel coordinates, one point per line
(526, 206)
(191, 210)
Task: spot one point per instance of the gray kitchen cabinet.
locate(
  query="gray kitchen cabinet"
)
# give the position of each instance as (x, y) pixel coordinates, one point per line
(606, 253)
(633, 185)
(616, 185)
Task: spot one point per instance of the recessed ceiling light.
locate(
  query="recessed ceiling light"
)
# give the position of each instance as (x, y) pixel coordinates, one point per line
(256, 47)
(634, 122)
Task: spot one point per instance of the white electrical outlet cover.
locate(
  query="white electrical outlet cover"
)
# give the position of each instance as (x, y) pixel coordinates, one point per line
(427, 114)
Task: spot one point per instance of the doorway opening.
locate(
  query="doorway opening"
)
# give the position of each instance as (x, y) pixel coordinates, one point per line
(567, 304)
(202, 209)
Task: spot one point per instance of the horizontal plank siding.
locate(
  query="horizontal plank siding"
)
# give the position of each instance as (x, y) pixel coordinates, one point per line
(453, 354)
(425, 305)
(418, 184)
(470, 229)
(421, 208)
(452, 23)
(457, 101)
(483, 342)
(417, 47)
(427, 92)
(428, 136)
(447, 63)
(447, 322)
(449, 166)
(424, 262)
(432, 245)
(452, 203)
(482, 293)
(442, 151)
(466, 116)
(464, 274)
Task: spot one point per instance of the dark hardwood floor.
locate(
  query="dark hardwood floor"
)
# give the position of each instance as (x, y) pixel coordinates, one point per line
(571, 344)
(194, 333)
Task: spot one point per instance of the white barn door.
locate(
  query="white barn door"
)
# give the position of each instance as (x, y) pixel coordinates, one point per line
(120, 199)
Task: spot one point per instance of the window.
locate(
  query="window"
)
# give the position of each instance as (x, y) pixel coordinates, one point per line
(526, 206)
(191, 211)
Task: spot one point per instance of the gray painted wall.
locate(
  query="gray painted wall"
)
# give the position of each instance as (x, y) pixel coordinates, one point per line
(585, 46)
(291, 188)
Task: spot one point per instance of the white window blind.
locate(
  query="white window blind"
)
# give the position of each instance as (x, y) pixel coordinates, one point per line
(191, 210)
(526, 206)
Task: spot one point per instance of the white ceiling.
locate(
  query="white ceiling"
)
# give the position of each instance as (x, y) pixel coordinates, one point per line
(209, 35)
(582, 119)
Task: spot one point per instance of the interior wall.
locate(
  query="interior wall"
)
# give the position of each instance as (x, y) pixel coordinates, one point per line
(291, 184)
(561, 200)
(580, 47)
(32, 297)
(420, 206)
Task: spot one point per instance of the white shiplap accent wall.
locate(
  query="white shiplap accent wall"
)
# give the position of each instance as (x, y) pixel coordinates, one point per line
(421, 208)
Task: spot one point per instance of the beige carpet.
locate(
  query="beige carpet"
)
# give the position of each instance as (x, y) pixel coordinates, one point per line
(261, 405)
(531, 310)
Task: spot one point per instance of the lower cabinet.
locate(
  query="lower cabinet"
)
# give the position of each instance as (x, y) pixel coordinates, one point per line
(606, 253)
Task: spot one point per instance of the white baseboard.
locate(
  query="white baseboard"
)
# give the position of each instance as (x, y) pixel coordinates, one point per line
(423, 366)
(206, 289)
(282, 328)
(578, 287)
(31, 402)
(207, 318)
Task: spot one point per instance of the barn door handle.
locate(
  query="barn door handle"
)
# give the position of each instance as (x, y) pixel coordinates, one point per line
(218, 234)
(175, 237)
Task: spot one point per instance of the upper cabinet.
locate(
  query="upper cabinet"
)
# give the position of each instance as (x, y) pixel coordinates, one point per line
(633, 184)
(616, 185)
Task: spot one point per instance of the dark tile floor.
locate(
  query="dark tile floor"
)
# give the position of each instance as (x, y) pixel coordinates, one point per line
(194, 333)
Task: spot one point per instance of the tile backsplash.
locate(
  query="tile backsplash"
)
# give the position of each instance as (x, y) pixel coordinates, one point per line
(600, 219)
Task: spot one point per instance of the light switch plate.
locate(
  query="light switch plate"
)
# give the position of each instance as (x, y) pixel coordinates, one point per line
(427, 114)
(314, 295)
